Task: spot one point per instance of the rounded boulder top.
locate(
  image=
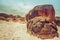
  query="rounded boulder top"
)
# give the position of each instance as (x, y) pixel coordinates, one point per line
(42, 10)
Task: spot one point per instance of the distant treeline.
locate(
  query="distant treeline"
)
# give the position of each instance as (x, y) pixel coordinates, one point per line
(10, 17)
(57, 20)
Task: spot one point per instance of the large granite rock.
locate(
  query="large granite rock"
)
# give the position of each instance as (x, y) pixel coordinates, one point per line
(41, 22)
(42, 28)
(42, 10)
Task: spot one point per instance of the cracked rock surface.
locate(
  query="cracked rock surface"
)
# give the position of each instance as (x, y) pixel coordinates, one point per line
(41, 28)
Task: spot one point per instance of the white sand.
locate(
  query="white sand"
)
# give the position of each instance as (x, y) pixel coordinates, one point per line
(17, 31)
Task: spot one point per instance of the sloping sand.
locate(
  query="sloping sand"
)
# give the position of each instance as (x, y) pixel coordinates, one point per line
(17, 31)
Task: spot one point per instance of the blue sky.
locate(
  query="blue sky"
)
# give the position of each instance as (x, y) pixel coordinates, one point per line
(22, 7)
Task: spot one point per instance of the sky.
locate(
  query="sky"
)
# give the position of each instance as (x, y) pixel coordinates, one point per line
(22, 7)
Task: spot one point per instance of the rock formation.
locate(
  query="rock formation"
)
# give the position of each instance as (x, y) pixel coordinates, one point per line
(41, 22)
